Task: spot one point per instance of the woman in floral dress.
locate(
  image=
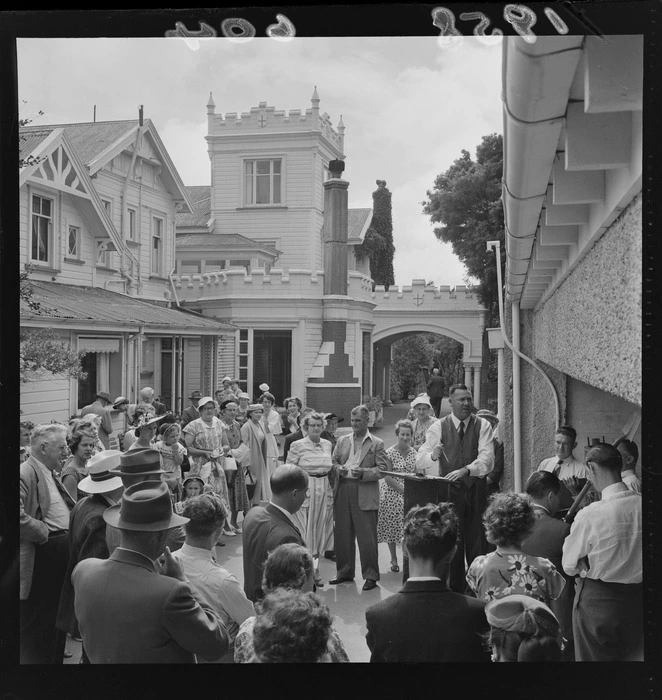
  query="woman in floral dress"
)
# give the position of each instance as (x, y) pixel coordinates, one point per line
(424, 419)
(508, 519)
(206, 443)
(402, 457)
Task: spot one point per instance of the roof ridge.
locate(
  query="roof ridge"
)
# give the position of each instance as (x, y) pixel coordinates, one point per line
(55, 126)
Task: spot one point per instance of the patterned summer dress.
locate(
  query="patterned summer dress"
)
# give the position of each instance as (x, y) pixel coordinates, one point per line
(391, 503)
(239, 500)
(209, 436)
(502, 573)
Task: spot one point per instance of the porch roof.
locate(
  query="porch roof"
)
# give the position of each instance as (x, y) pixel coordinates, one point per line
(72, 305)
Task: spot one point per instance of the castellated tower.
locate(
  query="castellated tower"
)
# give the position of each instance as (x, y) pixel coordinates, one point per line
(268, 167)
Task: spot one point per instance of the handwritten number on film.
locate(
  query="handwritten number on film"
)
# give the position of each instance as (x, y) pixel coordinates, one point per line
(236, 28)
(521, 17)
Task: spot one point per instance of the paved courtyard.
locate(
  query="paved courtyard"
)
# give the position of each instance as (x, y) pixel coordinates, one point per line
(346, 601)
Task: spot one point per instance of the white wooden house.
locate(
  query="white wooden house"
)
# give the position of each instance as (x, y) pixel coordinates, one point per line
(97, 229)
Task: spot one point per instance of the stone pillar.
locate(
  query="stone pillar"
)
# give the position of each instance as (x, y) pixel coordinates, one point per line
(334, 385)
(476, 392)
(386, 396)
(335, 231)
(467, 376)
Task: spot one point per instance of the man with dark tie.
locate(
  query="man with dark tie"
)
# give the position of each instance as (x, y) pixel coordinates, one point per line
(44, 549)
(460, 448)
(571, 472)
(264, 528)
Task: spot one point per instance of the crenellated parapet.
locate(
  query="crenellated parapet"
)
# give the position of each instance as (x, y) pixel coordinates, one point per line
(265, 119)
(419, 295)
(258, 283)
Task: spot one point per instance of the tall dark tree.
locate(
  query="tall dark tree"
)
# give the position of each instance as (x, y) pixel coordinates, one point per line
(466, 201)
(378, 242)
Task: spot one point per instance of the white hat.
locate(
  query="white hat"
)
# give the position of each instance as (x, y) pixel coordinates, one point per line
(99, 478)
(204, 400)
(264, 387)
(226, 379)
(421, 399)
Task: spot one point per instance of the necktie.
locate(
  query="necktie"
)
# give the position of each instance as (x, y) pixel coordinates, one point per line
(461, 432)
(66, 496)
(558, 466)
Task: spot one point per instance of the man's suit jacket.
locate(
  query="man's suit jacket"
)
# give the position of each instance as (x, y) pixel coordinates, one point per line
(188, 414)
(87, 539)
(264, 528)
(130, 614)
(547, 538)
(426, 622)
(373, 458)
(160, 408)
(35, 501)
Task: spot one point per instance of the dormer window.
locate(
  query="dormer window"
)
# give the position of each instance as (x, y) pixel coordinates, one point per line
(262, 182)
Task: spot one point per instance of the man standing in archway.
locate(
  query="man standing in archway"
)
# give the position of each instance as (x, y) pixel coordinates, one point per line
(435, 388)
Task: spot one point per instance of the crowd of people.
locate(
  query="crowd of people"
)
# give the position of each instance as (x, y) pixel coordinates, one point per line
(118, 546)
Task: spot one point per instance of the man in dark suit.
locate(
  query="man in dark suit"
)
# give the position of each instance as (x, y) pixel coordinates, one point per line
(137, 606)
(546, 540)
(99, 408)
(87, 529)
(425, 621)
(357, 461)
(435, 389)
(44, 550)
(460, 448)
(191, 412)
(264, 528)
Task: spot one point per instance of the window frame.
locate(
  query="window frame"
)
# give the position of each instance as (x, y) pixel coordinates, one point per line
(77, 254)
(161, 247)
(132, 215)
(272, 157)
(50, 234)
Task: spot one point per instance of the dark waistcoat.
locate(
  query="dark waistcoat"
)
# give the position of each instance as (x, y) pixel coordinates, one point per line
(459, 454)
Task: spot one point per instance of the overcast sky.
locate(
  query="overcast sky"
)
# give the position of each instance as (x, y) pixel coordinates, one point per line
(409, 107)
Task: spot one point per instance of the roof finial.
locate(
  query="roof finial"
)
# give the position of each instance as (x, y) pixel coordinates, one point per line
(341, 124)
(211, 101)
(316, 97)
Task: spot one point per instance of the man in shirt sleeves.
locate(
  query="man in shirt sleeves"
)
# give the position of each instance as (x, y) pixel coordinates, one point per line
(460, 448)
(604, 548)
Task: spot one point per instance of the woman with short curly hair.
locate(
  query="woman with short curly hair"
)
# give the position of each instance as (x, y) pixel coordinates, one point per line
(288, 568)
(291, 627)
(508, 519)
(82, 443)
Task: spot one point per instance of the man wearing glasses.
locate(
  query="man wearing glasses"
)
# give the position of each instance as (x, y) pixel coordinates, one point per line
(44, 550)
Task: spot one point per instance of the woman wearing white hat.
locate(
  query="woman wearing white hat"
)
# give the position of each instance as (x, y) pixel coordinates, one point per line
(424, 419)
(87, 528)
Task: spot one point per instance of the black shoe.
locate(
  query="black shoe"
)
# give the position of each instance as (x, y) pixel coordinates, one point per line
(369, 584)
(340, 579)
(330, 554)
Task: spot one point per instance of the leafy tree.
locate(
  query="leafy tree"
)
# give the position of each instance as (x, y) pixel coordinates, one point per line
(378, 242)
(41, 350)
(466, 201)
(30, 160)
(424, 351)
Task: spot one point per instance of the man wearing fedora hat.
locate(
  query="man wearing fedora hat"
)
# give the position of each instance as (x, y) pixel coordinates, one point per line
(100, 408)
(87, 528)
(141, 466)
(137, 606)
(191, 412)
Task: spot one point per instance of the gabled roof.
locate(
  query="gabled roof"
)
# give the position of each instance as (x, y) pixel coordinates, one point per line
(97, 306)
(99, 142)
(200, 196)
(221, 240)
(358, 223)
(29, 138)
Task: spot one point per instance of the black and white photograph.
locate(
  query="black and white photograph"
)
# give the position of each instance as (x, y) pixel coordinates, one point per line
(332, 347)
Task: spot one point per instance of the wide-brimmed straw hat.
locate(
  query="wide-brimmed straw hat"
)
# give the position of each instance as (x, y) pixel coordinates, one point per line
(503, 612)
(144, 507)
(99, 479)
(142, 460)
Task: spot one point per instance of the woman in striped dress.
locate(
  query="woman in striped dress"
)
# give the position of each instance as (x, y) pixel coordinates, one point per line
(315, 517)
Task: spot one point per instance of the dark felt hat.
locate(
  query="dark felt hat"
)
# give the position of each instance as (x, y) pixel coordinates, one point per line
(144, 507)
(142, 460)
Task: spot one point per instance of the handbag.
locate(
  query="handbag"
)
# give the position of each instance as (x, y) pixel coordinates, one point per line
(250, 483)
(230, 464)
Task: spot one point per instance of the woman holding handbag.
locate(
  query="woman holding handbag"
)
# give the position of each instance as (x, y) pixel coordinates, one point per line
(207, 445)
